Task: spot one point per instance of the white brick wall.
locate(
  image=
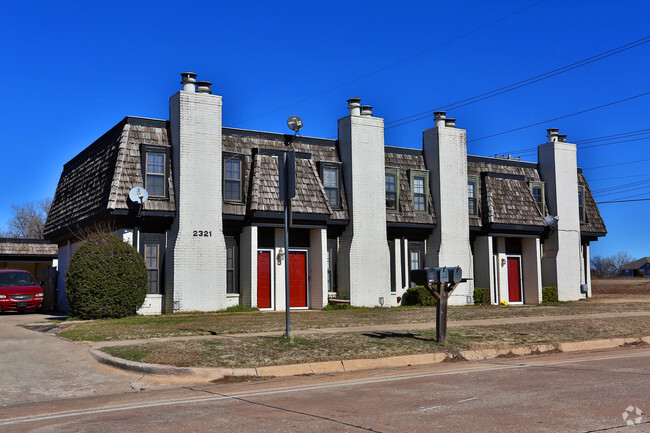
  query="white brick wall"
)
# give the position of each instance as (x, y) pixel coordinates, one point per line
(561, 260)
(445, 153)
(196, 274)
(364, 262)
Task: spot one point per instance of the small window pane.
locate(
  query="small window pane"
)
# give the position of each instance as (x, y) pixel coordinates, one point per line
(331, 177)
(471, 198)
(232, 190)
(390, 182)
(418, 202)
(332, 196)
(155, 185)
(415, 260)
(155, 163)
(233, 170)
(418, 185)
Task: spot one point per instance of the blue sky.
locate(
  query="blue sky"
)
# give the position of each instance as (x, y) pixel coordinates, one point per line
(72, 70)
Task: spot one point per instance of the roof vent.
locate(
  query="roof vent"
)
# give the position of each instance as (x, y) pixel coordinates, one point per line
(188, 81)
(204, 87)
(366, 110)
(561, 138)
(439, 117)
(354, 106)
(450, 123)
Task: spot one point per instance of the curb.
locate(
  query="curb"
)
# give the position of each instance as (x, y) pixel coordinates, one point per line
(215, 373)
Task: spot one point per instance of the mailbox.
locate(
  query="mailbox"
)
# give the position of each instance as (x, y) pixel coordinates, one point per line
(455, 274)
(425, 276)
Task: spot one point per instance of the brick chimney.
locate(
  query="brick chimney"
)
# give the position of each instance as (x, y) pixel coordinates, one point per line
(195, 268)
(363, 261)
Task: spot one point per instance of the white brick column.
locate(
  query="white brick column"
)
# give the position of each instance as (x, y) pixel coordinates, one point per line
(445, 154)
(196, 258)
(318, 268)
(561, 261)
(502, 269)
(279, 288)
(483, 263)
(364, 259)
(248, 266)
(532, 267)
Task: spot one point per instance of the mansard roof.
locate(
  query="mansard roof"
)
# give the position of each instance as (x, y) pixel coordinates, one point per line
(406, 160)
(593, 222)
(97, 181)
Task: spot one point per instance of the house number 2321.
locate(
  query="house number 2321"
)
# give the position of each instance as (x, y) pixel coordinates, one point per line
(202, 233)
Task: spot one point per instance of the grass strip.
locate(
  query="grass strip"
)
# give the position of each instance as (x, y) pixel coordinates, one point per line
(265, 351)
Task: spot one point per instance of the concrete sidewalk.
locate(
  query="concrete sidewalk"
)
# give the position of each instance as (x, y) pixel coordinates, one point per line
(381, 328)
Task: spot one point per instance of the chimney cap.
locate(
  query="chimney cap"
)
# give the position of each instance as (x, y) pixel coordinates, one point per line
(439, 114)
(204, 87)
(356, 99)
(188, 77)
(366, 110)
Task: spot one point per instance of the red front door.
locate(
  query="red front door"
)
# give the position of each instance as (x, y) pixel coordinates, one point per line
(514, 285)
(263, 279)
(298, 278)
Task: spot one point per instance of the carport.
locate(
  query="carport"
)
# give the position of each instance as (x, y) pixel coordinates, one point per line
(37, 256)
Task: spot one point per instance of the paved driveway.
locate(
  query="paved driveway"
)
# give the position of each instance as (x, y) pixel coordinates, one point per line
(36, 366)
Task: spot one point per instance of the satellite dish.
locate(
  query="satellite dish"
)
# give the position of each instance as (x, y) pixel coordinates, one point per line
(294, 123)
(551, 220)
(138, 195)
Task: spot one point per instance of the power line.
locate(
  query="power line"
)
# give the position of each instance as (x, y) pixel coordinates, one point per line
(625, 185)
(523, 83)
(561, 117)
(622, 191)
(579, 143)
(399, 62)
(623, 201)
(617, 177)
(620, 163)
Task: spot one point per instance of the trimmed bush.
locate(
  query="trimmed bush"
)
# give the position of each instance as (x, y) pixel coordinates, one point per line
(418, 296)
(481, 296)
(549, 295)
(106, 278)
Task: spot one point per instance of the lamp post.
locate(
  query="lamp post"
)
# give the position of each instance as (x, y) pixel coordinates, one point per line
(287, 174)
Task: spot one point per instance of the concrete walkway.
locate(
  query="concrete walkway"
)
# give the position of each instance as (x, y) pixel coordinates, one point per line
(382, 328)
(37, 366)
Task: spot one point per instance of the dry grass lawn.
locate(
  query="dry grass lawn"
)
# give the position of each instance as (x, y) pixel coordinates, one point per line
(261, 351)
(175, 325)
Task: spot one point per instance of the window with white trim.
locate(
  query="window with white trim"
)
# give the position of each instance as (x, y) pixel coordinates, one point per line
(472, 195)
(538, 191)
(331, 177)
(155, 174)
(420, 190)
(392, 188)
(233, 178)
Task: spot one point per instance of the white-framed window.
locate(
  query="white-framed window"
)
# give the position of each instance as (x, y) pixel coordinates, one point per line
(472, 195)
(155, 174)
(420, 190)
(331, 178)
(231, 269)
(233, 178)
(537, 189)
(152, 262)
(392, 188)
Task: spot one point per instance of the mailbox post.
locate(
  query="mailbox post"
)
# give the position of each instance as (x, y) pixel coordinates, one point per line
(440, 282)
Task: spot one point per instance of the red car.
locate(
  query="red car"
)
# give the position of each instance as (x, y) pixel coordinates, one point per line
(19, 291)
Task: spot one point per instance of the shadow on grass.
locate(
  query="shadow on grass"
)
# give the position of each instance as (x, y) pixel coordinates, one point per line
(409, 335)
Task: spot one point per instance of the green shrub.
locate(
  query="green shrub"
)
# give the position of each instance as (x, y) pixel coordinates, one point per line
(240, 309)
(481, 296)
(418, 296)
(106, 278)
(549, 295)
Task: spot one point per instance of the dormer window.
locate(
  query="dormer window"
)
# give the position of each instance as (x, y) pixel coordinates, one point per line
(537, 189)
(233, 169)
(581, 203)
(154, 173)
(472, 195)
(419, 189)
(392, 188)
(331, 177)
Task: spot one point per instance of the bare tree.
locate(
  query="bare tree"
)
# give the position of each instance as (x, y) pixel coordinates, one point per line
(619, 260)
(602, 266)
(607, 267)
(28, 219)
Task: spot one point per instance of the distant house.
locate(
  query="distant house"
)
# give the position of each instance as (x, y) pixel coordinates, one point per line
(364, 215)
(639, 267)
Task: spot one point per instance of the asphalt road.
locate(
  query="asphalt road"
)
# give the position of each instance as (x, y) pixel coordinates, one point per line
(578, 392)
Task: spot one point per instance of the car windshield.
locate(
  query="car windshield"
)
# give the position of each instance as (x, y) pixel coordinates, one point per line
(12, 279)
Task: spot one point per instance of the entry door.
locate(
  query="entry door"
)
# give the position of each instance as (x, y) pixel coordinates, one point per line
(514, 279)
(263, 279)
(298, 279)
